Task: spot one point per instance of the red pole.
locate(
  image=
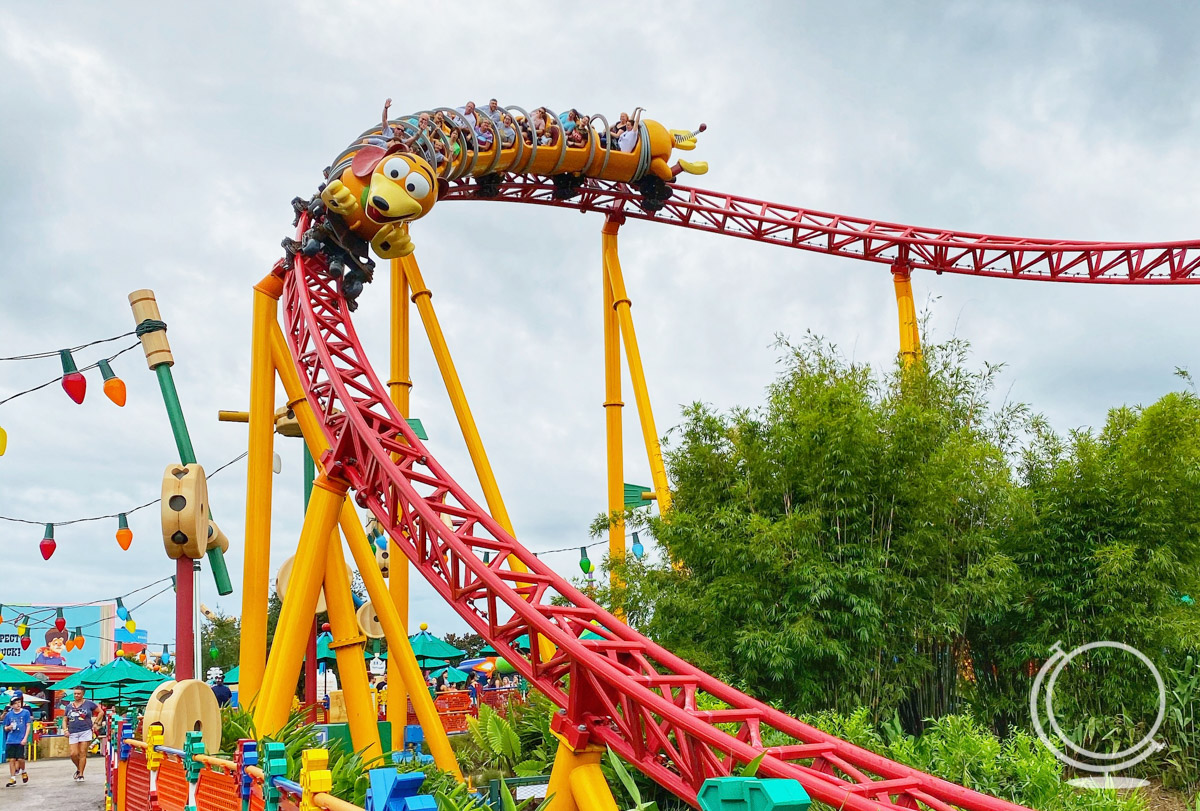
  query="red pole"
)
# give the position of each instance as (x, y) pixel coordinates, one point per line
(310, 675)
(185, 634)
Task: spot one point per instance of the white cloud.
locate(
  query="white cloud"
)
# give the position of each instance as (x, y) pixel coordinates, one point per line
(188, 131)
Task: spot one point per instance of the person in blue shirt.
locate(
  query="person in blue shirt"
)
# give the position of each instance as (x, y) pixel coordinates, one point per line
(18, 726)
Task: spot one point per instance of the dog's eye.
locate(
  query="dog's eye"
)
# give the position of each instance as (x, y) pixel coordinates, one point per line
(416, 184)
(396, 168)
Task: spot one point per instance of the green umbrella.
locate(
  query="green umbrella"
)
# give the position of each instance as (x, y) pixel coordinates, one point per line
(123, 693)
(488, 650)
(452, 674)
(118, 672)
(76, 678)
(231, 676)
(426, 646)
(11, 677)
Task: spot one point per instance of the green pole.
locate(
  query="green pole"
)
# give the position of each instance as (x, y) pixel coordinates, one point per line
(187, 455)
(310, 473)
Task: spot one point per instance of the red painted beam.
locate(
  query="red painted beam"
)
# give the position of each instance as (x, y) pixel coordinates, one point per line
(871, 240)
(619, 692)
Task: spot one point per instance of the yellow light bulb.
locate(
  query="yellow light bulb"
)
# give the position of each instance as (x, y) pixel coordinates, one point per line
(130, 625)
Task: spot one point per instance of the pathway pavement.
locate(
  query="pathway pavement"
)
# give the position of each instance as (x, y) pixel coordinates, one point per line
(50, 787)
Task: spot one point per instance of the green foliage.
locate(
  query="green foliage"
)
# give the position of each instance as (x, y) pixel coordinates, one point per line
(458, 798)
(224, 633)
(497, 747)
(472, 643)
(869, 539)
(961, 749)
(1183, 738)
(836, 542)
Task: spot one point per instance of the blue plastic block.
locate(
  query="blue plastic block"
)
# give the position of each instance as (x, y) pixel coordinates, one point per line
(388, 789)
(420, 802)
(752, 794)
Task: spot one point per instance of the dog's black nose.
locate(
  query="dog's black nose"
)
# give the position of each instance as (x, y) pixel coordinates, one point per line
(379, 203)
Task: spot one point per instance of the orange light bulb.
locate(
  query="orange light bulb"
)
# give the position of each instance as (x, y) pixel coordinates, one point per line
(114, 387)
(115, 390)
(124, 533)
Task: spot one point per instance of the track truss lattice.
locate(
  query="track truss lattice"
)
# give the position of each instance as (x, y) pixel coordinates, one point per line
(910, 247)
(622, 690)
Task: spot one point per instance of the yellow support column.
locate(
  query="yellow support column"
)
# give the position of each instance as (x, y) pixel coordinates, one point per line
(910, 333)
(612, 418)
(256, 561)
(423, 298)
(348, 644)
(389, 617)
(637, 375)
(400, 386)
(299, 606)
(399, 647)
(576, 780)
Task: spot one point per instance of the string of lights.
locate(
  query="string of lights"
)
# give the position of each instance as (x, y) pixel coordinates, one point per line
(119, 516)
(53, 352)
(27, 622)
(73, 381)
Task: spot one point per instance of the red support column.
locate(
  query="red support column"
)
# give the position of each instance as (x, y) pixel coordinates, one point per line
(185, 634)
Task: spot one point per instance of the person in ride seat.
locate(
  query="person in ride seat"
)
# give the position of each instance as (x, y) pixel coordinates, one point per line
(618, 129)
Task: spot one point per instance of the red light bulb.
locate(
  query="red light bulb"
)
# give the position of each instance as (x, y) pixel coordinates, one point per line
(73, 381)
(59, 622)
(114, 387)
(47, 546)
(24, 643)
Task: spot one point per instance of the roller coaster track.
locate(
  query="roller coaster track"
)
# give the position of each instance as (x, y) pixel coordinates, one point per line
(870, 240)
(623, 690)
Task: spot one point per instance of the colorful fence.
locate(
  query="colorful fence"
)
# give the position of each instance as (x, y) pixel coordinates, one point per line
(147, 777)
(455, 706)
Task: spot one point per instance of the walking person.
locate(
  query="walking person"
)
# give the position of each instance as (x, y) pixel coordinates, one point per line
(18, 726)
(81, 713)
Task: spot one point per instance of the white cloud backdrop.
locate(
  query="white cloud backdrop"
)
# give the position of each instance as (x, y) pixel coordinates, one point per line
(158, 146)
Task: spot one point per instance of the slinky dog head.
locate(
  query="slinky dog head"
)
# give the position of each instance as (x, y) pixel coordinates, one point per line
(397, 186)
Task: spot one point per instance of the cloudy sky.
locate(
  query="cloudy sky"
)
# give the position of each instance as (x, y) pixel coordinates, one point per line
(147, 146)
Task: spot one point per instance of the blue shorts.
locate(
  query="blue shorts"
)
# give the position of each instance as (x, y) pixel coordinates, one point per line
(14, 751)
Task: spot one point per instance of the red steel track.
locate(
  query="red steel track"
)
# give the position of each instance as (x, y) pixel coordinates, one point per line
(622, 690)
(888, 243)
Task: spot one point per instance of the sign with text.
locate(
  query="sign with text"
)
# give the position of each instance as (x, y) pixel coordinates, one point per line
(50, 646)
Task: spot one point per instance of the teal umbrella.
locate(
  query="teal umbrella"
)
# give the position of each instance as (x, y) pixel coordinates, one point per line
(11, 677)
(231, 676)
(452, 674)
(120, 671)
(426, 647)
(488, 650)
(76, 679)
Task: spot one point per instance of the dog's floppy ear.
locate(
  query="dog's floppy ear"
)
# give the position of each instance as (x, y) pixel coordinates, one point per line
(366, 159)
